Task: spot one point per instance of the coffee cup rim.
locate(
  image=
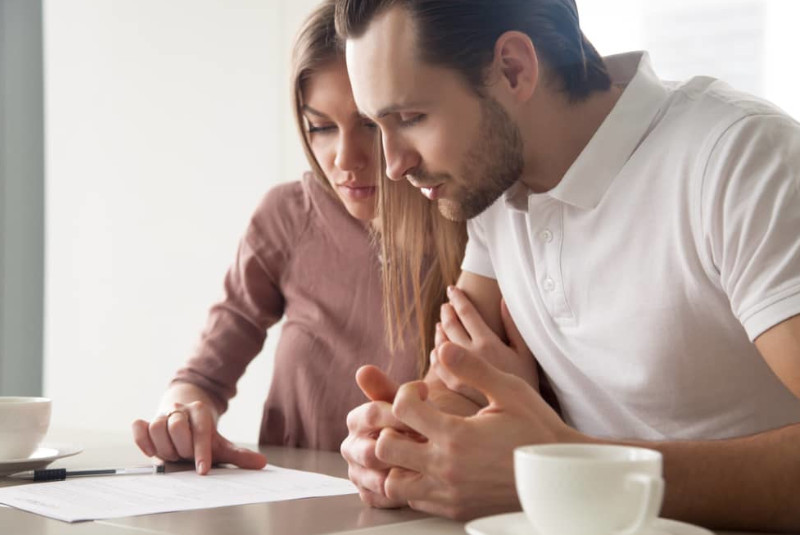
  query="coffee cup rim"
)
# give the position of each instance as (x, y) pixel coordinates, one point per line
(545, 452)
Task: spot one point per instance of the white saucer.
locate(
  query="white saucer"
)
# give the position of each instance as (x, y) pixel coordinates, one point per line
(39, 459)
(517, 524)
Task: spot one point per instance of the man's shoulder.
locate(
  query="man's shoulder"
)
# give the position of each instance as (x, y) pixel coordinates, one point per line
(712, 105)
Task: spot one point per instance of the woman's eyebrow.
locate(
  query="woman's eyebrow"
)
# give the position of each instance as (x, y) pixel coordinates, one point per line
(312, 111)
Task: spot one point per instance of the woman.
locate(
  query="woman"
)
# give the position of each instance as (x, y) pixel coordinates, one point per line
(310, 255)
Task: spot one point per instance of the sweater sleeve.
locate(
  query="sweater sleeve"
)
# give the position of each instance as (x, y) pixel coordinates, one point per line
(253, 300)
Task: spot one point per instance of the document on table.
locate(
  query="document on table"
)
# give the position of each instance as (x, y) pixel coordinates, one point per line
(94, 498)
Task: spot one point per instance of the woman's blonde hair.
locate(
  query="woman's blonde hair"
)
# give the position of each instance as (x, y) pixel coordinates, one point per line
(316, 46)
(422, 254)
(422, 251)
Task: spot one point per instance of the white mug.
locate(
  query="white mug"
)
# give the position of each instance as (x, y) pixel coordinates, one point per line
(589, 489)
(23, 425)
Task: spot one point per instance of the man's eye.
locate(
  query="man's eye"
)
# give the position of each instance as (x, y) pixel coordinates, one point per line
(410, 119)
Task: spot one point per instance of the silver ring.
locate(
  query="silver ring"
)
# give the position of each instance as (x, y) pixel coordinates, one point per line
(173, 411)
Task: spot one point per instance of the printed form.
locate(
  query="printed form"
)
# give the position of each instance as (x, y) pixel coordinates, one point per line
(95, 498)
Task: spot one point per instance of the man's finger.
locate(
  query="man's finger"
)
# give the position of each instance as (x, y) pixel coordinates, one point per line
(498, 387)
(375, 384)
(408, 485)
(453, 383)
(398, 450)
(361, 451)
(412, 408)
(226, 452)
(371, 480)
(371, 417)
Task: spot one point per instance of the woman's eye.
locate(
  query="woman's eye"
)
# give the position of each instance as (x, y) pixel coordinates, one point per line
(321, 129)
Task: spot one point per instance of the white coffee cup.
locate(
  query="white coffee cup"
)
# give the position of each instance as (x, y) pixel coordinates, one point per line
(23, 425)
(589, 489)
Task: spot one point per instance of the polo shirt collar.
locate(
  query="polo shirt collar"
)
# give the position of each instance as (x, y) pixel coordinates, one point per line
(590, 176)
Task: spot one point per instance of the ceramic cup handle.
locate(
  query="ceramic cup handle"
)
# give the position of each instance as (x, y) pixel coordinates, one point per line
(652, 490)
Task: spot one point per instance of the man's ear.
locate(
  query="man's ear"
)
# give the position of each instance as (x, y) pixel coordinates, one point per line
(515, 66)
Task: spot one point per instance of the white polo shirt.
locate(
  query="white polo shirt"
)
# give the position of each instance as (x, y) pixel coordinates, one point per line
(673, 241)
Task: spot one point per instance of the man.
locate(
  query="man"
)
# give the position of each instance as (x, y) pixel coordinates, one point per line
(644, 236)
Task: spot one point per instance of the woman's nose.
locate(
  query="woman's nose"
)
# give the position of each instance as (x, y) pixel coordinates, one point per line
(352, 152)
(400, 159)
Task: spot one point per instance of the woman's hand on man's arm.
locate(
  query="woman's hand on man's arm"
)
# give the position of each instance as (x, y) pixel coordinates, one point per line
(476, 319)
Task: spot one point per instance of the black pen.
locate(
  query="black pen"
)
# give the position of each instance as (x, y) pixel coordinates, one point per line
(60, 474)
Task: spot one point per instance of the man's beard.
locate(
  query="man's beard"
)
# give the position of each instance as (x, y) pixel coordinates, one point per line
(493, 164)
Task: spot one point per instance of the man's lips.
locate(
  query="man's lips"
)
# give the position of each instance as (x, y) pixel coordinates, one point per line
(431, 192)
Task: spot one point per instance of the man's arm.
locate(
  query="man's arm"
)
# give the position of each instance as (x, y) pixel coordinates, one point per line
(465, 468)
(744, 483)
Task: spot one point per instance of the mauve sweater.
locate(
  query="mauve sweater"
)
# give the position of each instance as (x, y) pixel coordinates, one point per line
(303, 257)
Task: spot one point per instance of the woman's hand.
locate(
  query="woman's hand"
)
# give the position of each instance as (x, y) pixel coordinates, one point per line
(189, 431)
(462, 325)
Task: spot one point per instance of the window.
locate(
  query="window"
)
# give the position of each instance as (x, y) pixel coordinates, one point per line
(747, 43)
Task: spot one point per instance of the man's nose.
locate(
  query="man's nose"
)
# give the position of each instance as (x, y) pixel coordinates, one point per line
(400, 158)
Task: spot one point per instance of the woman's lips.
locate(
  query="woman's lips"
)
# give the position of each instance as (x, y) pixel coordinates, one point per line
(357, 193)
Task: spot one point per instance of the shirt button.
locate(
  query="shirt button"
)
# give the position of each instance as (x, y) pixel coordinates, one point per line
(546, 235)
(549, 284)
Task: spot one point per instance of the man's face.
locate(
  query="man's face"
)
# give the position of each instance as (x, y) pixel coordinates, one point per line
(461, 150)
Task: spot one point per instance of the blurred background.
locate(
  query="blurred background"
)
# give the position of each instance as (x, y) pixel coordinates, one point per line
(137, 136)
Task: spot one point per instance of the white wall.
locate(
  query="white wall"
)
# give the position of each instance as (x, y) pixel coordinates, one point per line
(166, 122)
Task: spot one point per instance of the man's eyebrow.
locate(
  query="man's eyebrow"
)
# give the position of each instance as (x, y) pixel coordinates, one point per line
(394, 108)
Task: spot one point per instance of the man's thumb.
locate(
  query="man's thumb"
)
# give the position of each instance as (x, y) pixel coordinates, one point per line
(375, 384)
(473, 371)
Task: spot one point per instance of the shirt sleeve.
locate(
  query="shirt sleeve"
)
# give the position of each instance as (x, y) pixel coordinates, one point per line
(476, 255)
(751, 219)
(253, 301)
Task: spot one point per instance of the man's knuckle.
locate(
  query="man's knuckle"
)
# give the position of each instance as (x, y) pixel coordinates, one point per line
(372, 416)
(354, 418)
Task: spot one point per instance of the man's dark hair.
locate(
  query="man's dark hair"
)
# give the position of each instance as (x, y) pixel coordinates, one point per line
(461, 35)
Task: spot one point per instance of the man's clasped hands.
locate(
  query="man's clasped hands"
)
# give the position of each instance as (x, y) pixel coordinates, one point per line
(444, 444)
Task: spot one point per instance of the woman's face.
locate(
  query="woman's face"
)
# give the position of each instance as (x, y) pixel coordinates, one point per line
(341, 139)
